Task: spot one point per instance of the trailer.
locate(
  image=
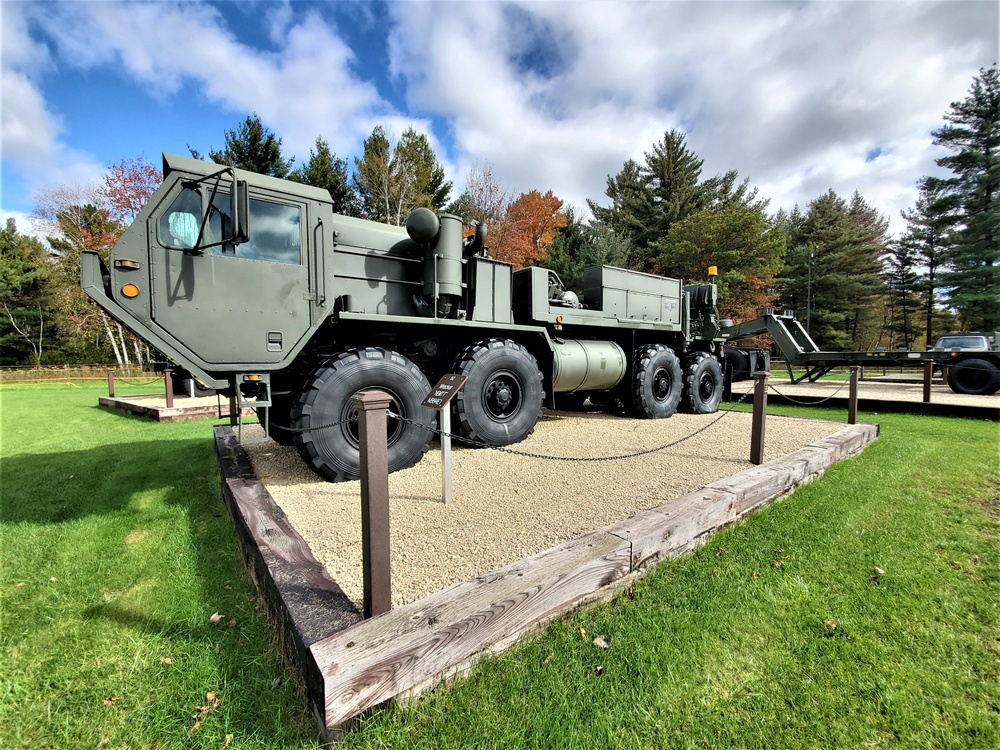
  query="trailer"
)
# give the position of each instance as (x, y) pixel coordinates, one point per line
(256, 288)
(968, 372)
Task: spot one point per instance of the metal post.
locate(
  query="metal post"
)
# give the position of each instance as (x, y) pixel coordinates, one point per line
(727, 384)
(852, 402)
(928, 376)
(168, 382)
(809, 292)
(371, 406)
(446, 454)
(111, 383)
(759, 417)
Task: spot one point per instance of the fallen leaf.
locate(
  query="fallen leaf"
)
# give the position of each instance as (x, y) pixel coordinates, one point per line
(755, 575)
(218, 648)
(715, 572)
(194, 729)
(52, 579)
(549, 658)
(830, 624)
(19, 585)
(598, 670)
(275, 682)
(165, 660)
(229, 740)
(210, 696)
(631, 592)
(216, 617)
(104, 742)
(600, 642)
(231, 623)
(778, 551)
(880, 571)
(228, 587)
(777, 563)
(955, 564)
(583, 633)
(111, 701)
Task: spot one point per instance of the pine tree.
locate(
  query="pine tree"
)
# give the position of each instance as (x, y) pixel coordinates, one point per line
(25, 298)
(253, 147)
(328, 172)
(926, 240)
(972, 132)
(839, 245)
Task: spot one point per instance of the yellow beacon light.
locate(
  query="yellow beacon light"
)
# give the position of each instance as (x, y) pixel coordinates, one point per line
(713, 270)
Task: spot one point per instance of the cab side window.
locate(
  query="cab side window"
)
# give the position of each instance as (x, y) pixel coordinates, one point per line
(275, 232)
(275, 228)
(180, 223)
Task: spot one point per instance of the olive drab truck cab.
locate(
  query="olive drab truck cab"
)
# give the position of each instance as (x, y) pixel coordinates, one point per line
(255, 287)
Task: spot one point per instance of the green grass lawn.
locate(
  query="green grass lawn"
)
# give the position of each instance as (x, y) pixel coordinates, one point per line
(780, 632)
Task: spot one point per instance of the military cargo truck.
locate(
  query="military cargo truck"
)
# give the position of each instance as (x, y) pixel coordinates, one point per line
(257, 288)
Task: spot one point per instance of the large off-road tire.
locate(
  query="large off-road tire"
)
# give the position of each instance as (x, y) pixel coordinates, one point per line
(739, 360)
(502, 399)
(334, 452)
(703, 384)
(974, 376)
(656, 382)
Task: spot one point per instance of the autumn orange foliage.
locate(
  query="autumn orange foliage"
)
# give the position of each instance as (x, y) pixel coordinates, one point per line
(526, 231)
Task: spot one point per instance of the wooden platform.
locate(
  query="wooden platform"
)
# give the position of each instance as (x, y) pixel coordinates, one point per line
(350, 665)
(154, 406)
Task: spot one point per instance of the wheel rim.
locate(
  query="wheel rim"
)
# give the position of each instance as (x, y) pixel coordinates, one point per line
(662, 385)
(393, 427)
(706, 387)
(502, 396)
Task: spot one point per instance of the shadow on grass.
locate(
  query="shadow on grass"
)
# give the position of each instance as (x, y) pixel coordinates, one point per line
(56, 487)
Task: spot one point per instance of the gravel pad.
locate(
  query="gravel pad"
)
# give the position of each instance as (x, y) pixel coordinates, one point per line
(506, 507)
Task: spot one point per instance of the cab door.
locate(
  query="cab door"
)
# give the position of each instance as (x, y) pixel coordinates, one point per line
(244, 304)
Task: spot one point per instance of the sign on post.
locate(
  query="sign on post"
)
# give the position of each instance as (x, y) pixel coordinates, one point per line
(439, 399)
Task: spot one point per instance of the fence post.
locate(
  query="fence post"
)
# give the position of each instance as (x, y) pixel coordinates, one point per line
(928, 376)
(852, 401)
(372, 432)
(727, 383)
(111, 383)
(759, 417)
(169, 383)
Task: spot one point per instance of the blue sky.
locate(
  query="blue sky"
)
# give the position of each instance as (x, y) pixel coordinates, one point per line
(799, 97)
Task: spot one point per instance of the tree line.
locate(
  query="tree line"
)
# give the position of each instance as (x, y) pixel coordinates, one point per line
(833, 262)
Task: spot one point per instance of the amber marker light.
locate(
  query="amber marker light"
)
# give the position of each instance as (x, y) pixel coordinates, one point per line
(250, 378)
(130, 290)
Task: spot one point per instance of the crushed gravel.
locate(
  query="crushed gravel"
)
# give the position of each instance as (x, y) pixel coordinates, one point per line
(506, 507)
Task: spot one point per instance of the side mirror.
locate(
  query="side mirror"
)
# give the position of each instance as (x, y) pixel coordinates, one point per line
(239, 211)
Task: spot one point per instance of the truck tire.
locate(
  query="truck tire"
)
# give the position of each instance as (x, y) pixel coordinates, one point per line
(502, 399)
(703, 383)
(974, 376)
(333, 452)
(739, 360)
(656, 382)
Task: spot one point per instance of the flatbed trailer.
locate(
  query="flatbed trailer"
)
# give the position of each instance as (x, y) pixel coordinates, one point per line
(968, 372)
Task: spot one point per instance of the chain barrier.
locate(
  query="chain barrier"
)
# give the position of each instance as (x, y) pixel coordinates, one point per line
(809, 403)
(137, 382)
(528, 454)
(299, 430)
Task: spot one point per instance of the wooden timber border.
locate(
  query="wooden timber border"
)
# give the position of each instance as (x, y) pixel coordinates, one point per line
(153, 406)
(350, 665)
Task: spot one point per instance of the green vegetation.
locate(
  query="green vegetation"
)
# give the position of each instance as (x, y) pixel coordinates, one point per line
(819, 648)
(116, 552)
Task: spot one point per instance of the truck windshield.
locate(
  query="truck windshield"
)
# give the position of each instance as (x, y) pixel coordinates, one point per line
(953, 342)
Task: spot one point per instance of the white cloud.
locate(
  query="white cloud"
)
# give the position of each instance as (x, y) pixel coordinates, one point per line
(792, 95)
(552, 95)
